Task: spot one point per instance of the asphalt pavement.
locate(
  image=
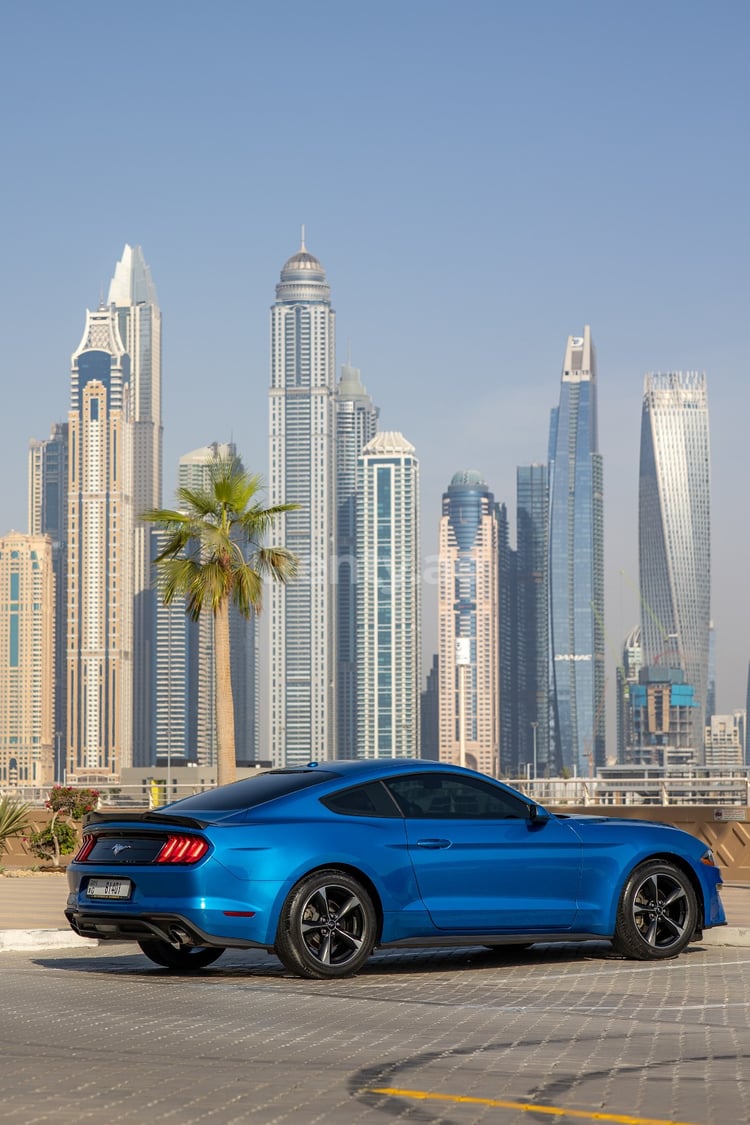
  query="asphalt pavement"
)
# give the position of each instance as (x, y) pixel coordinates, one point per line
(32, 905)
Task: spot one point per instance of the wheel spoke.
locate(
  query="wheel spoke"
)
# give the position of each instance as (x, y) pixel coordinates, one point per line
(675, 926)
(650, 934)
(350, 904)
(355, 942)
(324, 953)
(677, 893)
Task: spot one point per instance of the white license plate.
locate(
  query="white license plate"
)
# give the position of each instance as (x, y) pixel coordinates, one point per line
(108, 888)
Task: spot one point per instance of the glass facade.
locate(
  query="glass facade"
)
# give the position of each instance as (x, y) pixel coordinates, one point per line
(576, 566)
(532, 733)
(674, 530)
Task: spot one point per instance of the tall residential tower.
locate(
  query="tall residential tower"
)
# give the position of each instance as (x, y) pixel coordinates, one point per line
(302, 427)
(356, 424)
(100, 552)
(388, 600)
(133, 295)
(468, 624)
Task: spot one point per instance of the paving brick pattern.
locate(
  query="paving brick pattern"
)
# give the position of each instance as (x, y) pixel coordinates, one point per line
(97, 1034)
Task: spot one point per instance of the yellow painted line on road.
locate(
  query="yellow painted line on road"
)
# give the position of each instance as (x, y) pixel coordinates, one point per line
(526, 1107)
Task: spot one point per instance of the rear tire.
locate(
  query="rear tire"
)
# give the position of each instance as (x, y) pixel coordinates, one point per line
(327, 926)
(658, 912)
(187, 958)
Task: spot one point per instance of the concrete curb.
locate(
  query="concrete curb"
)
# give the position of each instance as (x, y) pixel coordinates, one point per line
(20, 941)
(727, 935)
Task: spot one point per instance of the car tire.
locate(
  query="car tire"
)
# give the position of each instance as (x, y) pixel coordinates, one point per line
(327, 927)
(187, 958)
(658, 912)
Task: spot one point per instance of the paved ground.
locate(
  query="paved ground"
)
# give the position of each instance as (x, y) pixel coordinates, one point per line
(94, 1032)
(569, 1033)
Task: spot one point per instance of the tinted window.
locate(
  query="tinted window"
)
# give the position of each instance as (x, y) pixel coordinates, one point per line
(449, 797)
(252, 791)
(372, 799)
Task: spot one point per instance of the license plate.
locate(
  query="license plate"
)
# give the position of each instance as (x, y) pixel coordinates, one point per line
(108, 888)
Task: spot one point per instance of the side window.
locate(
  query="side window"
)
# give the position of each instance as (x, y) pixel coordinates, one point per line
(372, 799)
(448, 797)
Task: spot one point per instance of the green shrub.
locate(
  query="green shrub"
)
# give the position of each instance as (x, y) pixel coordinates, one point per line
(42, 843)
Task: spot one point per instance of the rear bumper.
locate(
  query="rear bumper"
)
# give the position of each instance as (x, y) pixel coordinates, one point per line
(172, 928)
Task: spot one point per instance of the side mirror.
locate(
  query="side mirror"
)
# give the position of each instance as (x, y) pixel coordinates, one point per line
(538, 815)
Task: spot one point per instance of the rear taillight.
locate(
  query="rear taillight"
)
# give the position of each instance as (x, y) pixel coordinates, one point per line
(182, 849)
(85, 849)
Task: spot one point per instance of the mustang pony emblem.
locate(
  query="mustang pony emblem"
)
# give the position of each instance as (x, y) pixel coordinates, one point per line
(117, 848)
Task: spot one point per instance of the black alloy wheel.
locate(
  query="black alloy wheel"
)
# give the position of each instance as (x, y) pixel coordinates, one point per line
(186, 958)
(658, 912)
(327, 926)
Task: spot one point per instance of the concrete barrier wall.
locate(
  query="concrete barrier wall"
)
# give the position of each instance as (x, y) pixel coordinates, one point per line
(730, 839)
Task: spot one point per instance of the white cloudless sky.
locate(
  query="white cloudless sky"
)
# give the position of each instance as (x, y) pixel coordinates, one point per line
(479, 180)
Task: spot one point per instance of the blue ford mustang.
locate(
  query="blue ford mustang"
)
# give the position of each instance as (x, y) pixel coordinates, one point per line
(323, 863)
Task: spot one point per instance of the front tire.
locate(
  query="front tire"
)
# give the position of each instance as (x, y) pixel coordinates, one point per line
(658, 912)
(327, 926)
(187, 958)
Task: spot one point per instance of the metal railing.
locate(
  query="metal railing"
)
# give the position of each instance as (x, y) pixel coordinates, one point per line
(555, 792)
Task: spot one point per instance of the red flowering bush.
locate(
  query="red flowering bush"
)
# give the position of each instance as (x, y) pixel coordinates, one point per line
(72, 802)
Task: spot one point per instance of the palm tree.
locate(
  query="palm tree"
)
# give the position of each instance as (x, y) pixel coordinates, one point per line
(215, 553)
(14, 819)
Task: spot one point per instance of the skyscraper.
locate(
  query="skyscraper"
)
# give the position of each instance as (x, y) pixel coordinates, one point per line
(356, 424)
(184, 717)
(468, 624)
(133, 295)
(48, 514)
(576, 565)
(388, 600)
(100, 552)
(627, 677)
(302, 427)
(532, 741)
(674, 530)
(27, 660)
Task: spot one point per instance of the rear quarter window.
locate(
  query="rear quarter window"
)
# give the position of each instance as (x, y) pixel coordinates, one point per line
(372, 799)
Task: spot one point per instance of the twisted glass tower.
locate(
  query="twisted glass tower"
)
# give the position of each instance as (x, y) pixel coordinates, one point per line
(576, 565)
(674, 529)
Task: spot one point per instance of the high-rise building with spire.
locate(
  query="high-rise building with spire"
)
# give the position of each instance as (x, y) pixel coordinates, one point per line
(576, 565)
(99, 735)
(674, 531)
(133, 295)
(302, 427)
(388, 599)
(468, 625)
(356, 424)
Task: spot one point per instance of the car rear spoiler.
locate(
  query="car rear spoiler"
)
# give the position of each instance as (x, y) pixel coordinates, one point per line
(151, 816)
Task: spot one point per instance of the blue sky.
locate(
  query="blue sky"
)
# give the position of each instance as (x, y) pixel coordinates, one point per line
(478, 179)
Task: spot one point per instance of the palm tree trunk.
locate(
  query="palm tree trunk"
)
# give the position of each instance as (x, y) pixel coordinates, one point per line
(226, 760)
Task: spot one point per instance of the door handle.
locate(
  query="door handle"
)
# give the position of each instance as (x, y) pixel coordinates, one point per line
(434, 843)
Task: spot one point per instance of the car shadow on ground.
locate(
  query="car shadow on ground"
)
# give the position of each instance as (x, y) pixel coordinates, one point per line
(125, 959)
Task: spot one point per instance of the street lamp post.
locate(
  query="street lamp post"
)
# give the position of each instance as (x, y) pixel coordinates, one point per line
(533, 735)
